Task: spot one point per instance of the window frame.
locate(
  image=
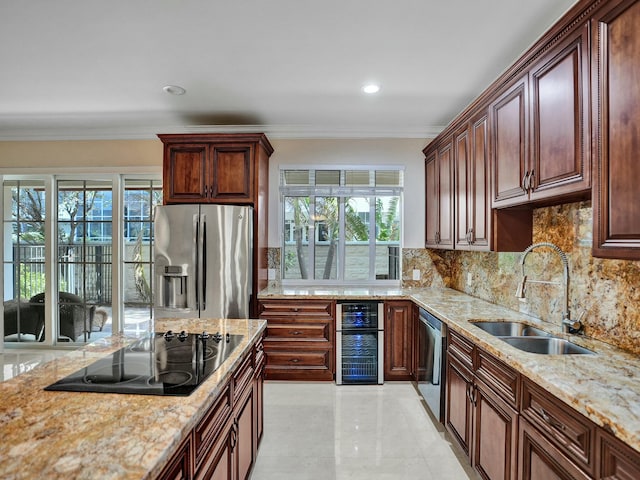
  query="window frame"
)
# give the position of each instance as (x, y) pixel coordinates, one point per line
(323, 190)
(50, 178)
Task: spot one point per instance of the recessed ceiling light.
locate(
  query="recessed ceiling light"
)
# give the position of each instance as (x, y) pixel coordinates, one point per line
(371, 88)
(174, 89)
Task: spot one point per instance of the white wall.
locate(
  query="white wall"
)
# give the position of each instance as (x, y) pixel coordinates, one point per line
(403, 152)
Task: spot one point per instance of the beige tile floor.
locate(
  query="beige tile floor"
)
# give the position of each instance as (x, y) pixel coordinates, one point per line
(321, 431)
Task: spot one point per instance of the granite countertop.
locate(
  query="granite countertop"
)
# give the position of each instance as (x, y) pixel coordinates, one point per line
(54, 435)
(603, 387)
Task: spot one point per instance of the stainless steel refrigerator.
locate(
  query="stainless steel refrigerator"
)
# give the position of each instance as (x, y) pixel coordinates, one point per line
(203, 261)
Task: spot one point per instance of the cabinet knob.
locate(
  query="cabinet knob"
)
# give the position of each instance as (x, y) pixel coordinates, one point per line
(295, 360)
(296, 332)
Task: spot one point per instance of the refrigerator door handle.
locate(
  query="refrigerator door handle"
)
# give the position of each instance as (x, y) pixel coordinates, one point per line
(196, 238)
(203, 247)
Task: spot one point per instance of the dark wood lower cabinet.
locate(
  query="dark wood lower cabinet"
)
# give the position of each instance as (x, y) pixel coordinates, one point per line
(300, 341)
(617, 460)
(540, 459)
(484, 424)
(224, 443)
(512, 428)
(399, 321)
(458, 410)
(179, 467)
(495, 444)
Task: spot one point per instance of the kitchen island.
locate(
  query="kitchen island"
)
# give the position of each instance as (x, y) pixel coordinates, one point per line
(52, 434)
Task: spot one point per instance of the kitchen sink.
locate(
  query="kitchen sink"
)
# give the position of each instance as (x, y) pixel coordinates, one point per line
(511, 329)
(546, 345)
(530, 339)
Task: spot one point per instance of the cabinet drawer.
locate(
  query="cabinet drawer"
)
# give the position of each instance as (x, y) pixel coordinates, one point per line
(502, 379)
(209, 428)
(298, 331)
(617, 460)
(291, 364)
(571, 432)
(242, 379)
(461, 348)
(307, 310)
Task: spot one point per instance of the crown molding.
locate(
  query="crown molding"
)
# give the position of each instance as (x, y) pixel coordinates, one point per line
(272, 131)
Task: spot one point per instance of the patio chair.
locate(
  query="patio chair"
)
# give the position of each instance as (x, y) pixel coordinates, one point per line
(30, 321)
(75, 317)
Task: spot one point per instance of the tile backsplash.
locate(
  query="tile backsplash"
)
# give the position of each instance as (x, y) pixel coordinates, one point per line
(604, 294)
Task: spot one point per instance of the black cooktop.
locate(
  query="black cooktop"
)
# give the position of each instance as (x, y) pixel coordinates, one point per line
(160, 364)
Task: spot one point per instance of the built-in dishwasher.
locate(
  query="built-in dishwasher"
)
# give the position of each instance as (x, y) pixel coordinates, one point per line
(432, 347)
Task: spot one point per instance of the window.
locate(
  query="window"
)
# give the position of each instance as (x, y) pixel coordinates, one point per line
(341, 225)
(95, 257)
(140, 199)
(23, 259)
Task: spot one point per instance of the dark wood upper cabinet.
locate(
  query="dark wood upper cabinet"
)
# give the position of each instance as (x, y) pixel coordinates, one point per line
(214, 168)
(560, 118)
(616, 120)
(439, 195)
(509, 134)
(185, 172)
(471, 197)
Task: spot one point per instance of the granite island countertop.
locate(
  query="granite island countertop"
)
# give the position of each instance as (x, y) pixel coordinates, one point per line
(604, 387)
(51, 434)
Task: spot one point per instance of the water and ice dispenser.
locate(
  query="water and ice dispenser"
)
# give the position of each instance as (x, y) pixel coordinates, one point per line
(173, 287)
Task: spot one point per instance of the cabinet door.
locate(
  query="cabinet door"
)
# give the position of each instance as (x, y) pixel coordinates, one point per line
(473, 201)
(462, 186)
(445, 195)
(185, 173)
(231, 173)
(616, 122)
(479, 176)
(245, 437)
(431, 199)
(458, 406)
(180, 465)
(510, 162)
(495, 435)
(398, 340)
(218, 463)
(560, 162)
(539, 459)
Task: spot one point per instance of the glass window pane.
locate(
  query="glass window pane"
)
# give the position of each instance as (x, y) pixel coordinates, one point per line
(295, 177)
(327, 177)
(327, 233)
(388, 178)
(357, 177)
(140, 199)
(387, 238)
(23, 259)
(357, 220)
(296, 214)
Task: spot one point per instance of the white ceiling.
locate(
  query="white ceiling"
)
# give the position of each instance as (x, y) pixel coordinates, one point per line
(91, 69)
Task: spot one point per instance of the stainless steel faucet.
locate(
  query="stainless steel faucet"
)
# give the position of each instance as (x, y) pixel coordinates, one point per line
(568, 325)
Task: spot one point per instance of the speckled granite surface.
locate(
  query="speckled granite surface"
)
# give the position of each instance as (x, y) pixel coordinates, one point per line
(604, 387)
(57, 435)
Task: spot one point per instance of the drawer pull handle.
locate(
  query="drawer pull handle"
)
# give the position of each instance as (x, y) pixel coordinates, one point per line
(551, 421)
(296, 332)
(295, 360)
